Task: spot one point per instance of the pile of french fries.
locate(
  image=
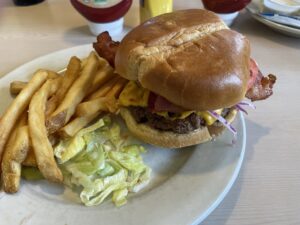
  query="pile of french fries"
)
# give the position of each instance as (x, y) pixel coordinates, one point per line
(49, 107)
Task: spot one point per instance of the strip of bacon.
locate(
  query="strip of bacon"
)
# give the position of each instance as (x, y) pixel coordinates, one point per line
(158, 103)
(262, 87)
(259, 87)
(106, 47)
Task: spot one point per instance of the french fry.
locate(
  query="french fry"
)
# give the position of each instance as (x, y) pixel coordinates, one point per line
(52, 74)
(83, 62)
(18, 106)
(104, 73)
(71, 74)
(23, 120)
(15, 153)
(77, 124)
(16, 87)
(30, 158)
(102, 91)
(107, 103)
(117, 88)
(74, 96)
(91, 109)
(41, 145)
(96, 105)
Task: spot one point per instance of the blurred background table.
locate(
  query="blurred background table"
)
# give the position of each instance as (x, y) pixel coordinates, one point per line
(267, 190)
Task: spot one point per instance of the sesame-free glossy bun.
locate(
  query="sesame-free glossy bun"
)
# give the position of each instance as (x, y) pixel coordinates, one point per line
(190, 57)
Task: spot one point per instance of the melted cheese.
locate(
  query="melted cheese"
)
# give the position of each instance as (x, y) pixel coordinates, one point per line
(208, 118)
(134, 95)
(205, 115)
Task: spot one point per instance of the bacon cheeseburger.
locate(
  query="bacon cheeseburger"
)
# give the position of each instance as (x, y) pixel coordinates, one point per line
(189, 74)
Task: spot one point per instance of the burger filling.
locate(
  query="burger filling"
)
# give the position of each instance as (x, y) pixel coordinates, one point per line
(160, 114)
(180, 126)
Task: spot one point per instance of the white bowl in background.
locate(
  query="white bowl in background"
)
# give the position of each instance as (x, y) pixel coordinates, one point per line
(114, 28)
(228, 18)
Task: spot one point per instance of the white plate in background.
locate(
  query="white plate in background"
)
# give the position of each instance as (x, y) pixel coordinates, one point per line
(254, 7)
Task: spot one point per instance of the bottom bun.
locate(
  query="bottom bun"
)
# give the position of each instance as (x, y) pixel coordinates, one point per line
(169, 139)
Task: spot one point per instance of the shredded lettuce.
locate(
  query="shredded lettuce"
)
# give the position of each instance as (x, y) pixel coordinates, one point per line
(102, 163)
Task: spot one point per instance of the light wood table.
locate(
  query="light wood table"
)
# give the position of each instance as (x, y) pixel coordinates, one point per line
(267, 190)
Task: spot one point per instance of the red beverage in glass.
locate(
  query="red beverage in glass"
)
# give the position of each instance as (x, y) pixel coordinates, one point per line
(103, 15)
(225, 6)
(99, 13)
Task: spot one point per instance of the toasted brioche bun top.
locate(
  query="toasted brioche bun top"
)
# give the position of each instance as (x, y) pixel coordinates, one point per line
(190, 57)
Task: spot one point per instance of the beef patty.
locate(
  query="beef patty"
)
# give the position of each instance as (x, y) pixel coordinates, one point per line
(180, 126)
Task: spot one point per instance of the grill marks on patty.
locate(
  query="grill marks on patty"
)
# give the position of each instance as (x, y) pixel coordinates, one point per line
(180, 126)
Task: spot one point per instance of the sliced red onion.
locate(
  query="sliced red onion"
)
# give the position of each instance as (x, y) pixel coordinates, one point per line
(240, 108)
(225, 123)
(247, 104)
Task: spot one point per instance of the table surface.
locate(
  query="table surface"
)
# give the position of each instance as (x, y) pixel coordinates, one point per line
(267, 190)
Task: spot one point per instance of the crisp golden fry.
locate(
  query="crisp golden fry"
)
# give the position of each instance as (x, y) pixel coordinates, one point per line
(23, 120)
(71, 74)
(96, 105)
(52, 74)
(18, 106)
(74, 96)
(41, 145)
(91, 109)
(31, 144)
(104, 73)
(117, 88)
(102, 91)
(15, 153)
(30, 158)
(16, 87)
(83, 62)
(77, 124)
(107, 103)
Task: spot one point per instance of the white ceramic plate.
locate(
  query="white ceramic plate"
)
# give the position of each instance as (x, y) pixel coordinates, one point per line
(187, 184)
(254, 7)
